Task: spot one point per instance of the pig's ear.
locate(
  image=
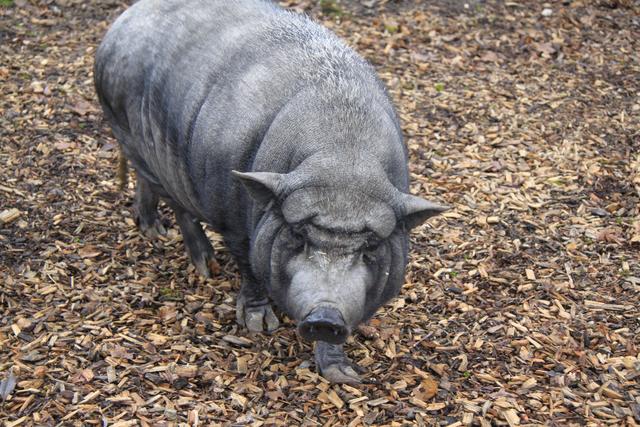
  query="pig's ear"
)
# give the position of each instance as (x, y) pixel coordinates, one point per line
(261, 186)
(415, 210)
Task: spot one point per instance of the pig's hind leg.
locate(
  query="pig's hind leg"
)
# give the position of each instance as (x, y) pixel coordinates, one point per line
(147, 209)
(198, 246)
(197, 243)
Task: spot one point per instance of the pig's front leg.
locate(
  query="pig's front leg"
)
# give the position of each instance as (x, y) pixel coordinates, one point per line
(334, 365)
(253, 308)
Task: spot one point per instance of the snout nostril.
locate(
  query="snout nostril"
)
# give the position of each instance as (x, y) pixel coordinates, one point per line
(324, 324)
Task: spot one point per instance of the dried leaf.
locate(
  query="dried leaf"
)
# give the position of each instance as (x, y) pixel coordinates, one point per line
(489, 56)
(426, 390)
(83, 107)
(8, 384)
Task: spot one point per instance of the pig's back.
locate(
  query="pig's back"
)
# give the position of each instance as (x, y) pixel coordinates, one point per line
(197, 84)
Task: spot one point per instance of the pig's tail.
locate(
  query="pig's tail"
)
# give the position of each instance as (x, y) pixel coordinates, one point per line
(123, 169)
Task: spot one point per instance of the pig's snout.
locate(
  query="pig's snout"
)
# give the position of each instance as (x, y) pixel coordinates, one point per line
(324, 324)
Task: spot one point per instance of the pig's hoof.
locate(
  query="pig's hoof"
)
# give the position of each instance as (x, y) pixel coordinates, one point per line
(152, 231)
(341, 373)
(334, 365)
(256, 318)
(205, 264)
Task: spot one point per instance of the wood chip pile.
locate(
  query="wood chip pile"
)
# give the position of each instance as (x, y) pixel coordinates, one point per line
(521, 305)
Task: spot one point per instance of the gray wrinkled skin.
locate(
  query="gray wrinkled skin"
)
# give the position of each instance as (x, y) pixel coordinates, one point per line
(264, 125)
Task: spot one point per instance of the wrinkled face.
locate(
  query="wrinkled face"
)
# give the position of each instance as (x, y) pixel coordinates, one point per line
(335, 280)
(333, 260)
(331, 255)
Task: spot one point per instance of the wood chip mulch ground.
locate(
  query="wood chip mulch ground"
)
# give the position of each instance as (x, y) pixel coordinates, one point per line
(521, 305)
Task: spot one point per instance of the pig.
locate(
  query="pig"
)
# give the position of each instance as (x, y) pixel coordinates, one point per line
(265, 126)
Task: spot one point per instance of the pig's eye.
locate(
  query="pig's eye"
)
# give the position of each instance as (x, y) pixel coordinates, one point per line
(295, 239)
(297, 229)
(369, 257)
(374, 251)
(370, 254)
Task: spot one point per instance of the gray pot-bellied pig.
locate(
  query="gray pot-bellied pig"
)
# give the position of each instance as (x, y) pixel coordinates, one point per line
(266, 126)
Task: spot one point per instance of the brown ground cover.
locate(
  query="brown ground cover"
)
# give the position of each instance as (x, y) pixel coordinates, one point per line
(521, 304)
